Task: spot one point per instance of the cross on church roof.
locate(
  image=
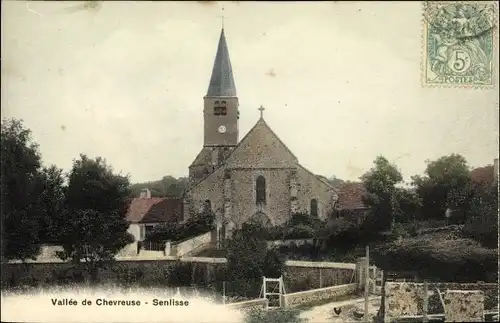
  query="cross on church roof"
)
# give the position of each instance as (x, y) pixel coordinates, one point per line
(261, 109)
(222, 17)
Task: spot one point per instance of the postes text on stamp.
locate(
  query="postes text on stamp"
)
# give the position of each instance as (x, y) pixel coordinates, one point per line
(458, 43)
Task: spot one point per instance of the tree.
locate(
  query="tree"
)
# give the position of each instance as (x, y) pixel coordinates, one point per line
(248, 256)
(408, 205)
(50, 205)
(380, 184)
(446, 184)
(21, 162)
(482, 218)
(168, 186)
(95, 228)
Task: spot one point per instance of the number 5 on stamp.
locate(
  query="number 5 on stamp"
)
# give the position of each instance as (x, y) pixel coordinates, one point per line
(458, 44)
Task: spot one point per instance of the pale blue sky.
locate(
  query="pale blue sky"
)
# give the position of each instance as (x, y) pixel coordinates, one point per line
(340, 82)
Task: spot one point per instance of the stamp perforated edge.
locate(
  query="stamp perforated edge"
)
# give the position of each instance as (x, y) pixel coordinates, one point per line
(423, 49)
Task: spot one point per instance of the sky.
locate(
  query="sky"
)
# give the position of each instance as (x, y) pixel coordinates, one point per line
(340, 83)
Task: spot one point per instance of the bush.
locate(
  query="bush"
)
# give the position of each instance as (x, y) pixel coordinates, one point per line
(180, 274)
(485, 234)
(436, 257)
(300, 226)
(248, 255)
(126, 275)
(193, 226)
(300, 231)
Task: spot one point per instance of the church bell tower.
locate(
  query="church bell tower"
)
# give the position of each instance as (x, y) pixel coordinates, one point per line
(221, 103)
(220, 116)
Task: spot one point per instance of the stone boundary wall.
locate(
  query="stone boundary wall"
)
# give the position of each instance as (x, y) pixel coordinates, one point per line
(161, 256)
(299, 298)
(402, 299)
(293, 242)
(320, 264)
(254, 303)
(185, 247)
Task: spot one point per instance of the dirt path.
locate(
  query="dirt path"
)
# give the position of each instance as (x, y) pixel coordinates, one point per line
(325, 314)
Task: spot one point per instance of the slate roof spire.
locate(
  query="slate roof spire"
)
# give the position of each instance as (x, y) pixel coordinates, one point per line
(222, 81)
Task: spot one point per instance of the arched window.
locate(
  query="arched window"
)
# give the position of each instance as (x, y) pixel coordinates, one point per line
(220, 108)
(260, 189)
(314, 207)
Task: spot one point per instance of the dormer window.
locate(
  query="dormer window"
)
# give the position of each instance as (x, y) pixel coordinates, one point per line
(220, 108)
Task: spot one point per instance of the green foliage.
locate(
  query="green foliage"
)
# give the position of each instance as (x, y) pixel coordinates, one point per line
(193, 226)
(407, 205)
(168, 186)
(345, 235)
(300, 226)
(274, 316)
(481, 223)
(50, 185)
(21, 162)
(381, 194)
(95, 228)
(180, 274)
(126, 275)
(248, 256)
(440, 256)
(446, 184)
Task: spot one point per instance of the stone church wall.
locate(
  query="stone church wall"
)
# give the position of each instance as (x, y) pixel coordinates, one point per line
(261, 149)
(313, 188)
(277, 206)
(209, 189)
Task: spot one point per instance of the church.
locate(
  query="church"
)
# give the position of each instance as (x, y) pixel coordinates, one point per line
(255, 177)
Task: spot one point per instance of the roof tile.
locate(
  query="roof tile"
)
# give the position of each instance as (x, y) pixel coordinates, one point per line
(351, 195)
(155, 209)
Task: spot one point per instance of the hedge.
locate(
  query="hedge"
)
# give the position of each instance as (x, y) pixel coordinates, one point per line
(439, 257)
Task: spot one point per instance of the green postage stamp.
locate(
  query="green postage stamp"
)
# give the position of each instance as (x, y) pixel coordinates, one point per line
(459, 43)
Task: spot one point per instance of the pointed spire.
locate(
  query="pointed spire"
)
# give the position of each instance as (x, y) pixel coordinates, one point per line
(222, 82)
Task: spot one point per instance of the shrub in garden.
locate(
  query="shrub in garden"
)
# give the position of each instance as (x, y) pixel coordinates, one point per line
(436, 257)
(126, 275)
(193, 226)
(180, 274)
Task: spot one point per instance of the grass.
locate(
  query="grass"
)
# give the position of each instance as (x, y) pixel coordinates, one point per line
(307, 306)
(274, 316)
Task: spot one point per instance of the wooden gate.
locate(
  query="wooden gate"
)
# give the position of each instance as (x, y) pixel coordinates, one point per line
(273, 292)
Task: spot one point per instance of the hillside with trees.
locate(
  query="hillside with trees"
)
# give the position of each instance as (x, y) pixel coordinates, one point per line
(168, 186)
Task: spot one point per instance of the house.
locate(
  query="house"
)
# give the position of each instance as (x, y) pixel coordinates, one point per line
(483, 175)
(350, 203)
(146, 212)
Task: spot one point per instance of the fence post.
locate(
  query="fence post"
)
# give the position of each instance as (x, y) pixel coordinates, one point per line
(367, 282)
(425, 319)
(360, 271)
(224, 292)
(167, 248)
(374, 280)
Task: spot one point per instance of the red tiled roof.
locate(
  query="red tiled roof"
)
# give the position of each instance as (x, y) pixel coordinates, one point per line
(483, 175)
(155, 209)
(351, 196)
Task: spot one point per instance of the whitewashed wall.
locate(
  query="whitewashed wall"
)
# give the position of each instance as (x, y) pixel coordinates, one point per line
(135, 230)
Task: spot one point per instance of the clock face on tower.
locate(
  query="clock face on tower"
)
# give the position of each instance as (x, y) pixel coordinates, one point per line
(222, 129)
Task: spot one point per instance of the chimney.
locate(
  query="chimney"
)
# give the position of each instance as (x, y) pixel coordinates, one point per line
(145, 193)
